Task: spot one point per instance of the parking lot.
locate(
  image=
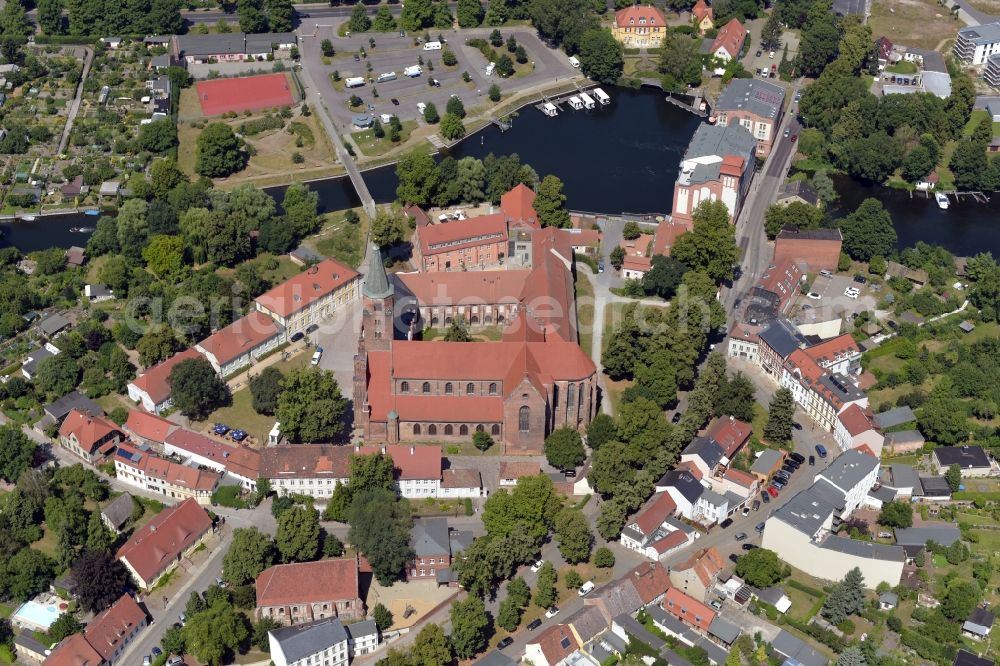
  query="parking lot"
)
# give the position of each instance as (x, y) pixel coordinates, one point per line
(753, 63)
(831, 295)
(394, 53)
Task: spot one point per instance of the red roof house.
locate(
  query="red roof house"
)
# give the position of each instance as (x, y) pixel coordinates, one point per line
(518, 206)
(729, 433)
(151, 388)
(307, 591)
(729, 42)
(159, 545)
(89, 436)
(687, 609)
(305, 289)
(147, 428)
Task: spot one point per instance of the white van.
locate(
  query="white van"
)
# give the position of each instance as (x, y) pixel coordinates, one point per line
(354, 81)
(387, 76)
(490, 68)
(586, 588)
(414, 70)
(432, 46)
(573, 60)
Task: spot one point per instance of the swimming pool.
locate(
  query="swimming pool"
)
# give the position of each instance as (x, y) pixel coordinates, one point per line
(35, 615)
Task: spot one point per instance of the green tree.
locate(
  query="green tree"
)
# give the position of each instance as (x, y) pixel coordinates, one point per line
(545, 587)
(359, 21)
(852, 656)
(469, 627)
(173, 641)
(372, 471)
(760, 567)
(158, 136)
(220, 152)
(470, 13)
(868, 231)
(455, 107)
(57, 375)
(457, 332)
(156, 345)
(418, 178)
(604, 558)
(133, 228)
(431, 647)
(954, 477)
(50, 17)
(297, 538)
(770, 35)
(779, 417)
(65, 625)
(846, 599)
(431, 116)
(494, 92)
(384, 20)
(252, 16)
(326, 48)
(663, 277)
(550, 203)
(417, 15)
(680, 63)
(711, 244)
(820, 38)
(573, 533)
(387, 228)
(509, 615)
(564, 449)
(942, 418)
(380, 529)
(301, 205)
(265, 388)
(960, 599)
(213, 633)
(795, 214)
(250, 552)
(601, 56)
(382, 616)
(918, 164)
(968, 164)
(310, 407)
(451, 126)
(259, 637)
(617, 257)
(896, 514)
(600, 430)
(195, 389)
(164, 255)
(531, 505)
(482, 440)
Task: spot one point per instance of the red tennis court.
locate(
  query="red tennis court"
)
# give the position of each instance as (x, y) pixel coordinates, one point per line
(248, 93)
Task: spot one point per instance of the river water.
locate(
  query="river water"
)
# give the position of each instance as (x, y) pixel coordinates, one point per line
(619, 158)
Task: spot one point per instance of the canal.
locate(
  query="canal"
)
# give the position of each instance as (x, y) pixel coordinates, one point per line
(619, 158)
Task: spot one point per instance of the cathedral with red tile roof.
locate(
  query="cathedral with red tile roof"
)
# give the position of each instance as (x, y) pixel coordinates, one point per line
(518, 390)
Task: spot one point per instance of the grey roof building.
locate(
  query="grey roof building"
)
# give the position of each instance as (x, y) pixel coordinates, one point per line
(849, 469)
(901, 477)
(883, 494)
(588, 622)
(684, 482)
(268, 41)
(725, 631)
(966, 457)
(53, 324)
(790, 647)
(30, 365)
(674, 659)
(616, 598)
(429, 537)
(914, 539)
(904, 438)
(714, 141)
(782, 337)
(805, 512)
(935, 486)
(766, 462)
(798, 189)
(706, 449)
(58, 409)
(756, 96)
(888, 600)
(197, 46)
(639, 632)
(966, 658)
(895, 417)
(118, 513)
(979, 623)
(668, 622)
(301, 641)
(495, 658)
(865, 549)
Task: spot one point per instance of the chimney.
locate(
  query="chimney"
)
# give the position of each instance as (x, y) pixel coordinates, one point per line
(412, 450)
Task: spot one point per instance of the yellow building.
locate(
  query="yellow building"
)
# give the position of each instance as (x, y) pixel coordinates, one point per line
(640, 27)
(701, 16)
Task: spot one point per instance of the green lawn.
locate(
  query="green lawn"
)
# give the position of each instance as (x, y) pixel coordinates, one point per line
(373, 146)
(902, 67)
(585, 312)
(240, 414)
(340, 239)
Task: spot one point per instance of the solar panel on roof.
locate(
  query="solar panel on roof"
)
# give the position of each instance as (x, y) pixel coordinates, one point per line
(564, 642)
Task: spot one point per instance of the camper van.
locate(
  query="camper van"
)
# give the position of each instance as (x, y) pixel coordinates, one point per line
(354, 81)
(432, 46)
(490, 68)
(415, 70)
(387, 76)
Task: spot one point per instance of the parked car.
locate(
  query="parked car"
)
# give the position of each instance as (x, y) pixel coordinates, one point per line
(779, 483)
(504, 642)
(716, 604)
(750, 546)
(726, 523)
(821, 450)
(600, 266)
(317, 355)
(759, 52)
(746, 511)
(812, 460)
(157, 651)
(794, 138)
(741, 536)
(764, 495)
(147, 660)
(797, 457)
(297, 336)
(552, 612)
(787, 133)
(771, 56)
(183, 618)
(586, 588)
(860, 279)
(537, 566)
(759, 527)
(734, 558)
(175, 661)
(676, 418)
(772, 491)
(813, 295)
(756, 505)
(534, 624)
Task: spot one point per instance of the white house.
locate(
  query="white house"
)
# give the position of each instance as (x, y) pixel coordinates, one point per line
(704, 454)
(975, 44)
(851, 475)
(711, 508)
(326, 642)
(683, 489)
(460, 483)
(652, 532)
(854, 428)
(241, 343)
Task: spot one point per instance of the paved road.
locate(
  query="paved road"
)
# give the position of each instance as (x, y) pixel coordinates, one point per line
(75, 107)
(973, 16)
(750, 236)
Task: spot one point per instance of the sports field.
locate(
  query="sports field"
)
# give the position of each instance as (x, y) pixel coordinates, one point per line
(247, 93)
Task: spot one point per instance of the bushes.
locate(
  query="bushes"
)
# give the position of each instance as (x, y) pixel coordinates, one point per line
(258, 125)
(229, 496)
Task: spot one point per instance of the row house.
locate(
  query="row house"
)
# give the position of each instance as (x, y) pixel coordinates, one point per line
(170, 479)
(313, 296)
(105, 639)
(158, 546)
(854, 428)
(431, 550)
(240, 463)
(717, 166)
(326, 642)
(823, 395)
(241, 343)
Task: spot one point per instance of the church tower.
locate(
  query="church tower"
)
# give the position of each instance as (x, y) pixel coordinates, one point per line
(376, 332)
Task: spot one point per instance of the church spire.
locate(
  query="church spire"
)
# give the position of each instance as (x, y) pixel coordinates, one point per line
(377, 285)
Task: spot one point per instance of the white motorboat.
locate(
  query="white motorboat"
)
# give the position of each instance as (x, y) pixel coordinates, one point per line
(942, 201)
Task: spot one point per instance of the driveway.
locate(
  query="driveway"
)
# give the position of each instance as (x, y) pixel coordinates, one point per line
(338, 336)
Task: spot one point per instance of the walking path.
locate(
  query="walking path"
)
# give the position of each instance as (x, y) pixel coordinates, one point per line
(75, 107)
